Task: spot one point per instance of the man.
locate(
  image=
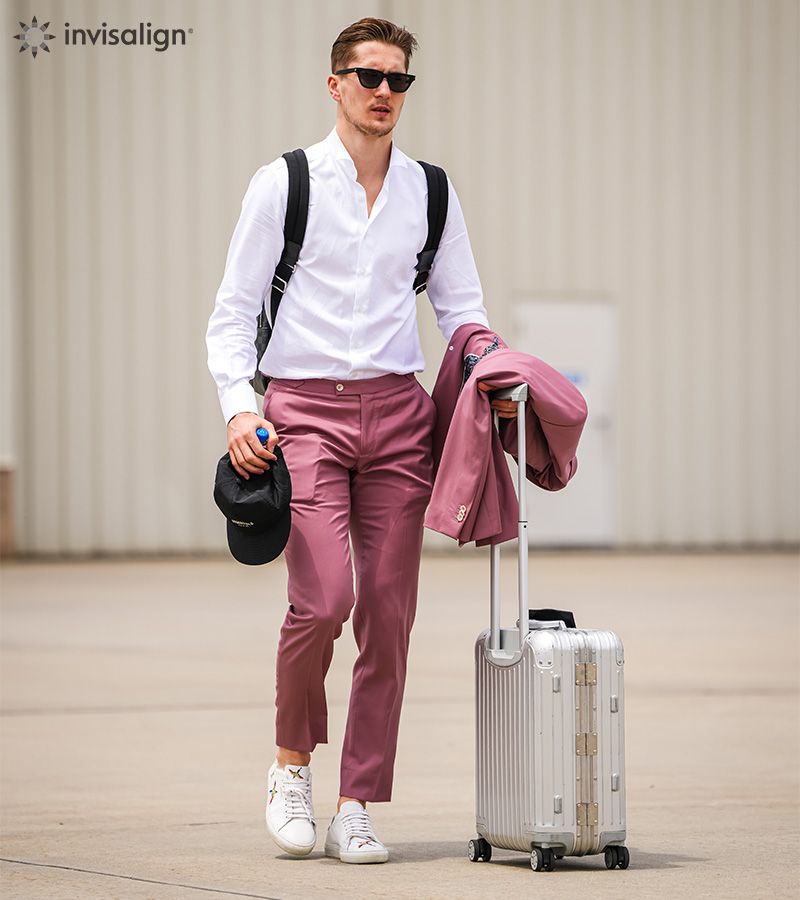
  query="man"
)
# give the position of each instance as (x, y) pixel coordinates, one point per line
(353, 422)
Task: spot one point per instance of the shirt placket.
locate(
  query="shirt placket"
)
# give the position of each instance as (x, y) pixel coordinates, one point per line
(363, 285)
(365, 270)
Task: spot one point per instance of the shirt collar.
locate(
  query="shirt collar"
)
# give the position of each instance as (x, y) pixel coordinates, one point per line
(339, 152)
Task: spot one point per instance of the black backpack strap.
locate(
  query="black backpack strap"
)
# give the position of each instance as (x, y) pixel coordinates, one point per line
(294, 228)
(438, 196)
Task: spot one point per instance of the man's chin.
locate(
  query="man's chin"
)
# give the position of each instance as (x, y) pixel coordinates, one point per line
(376, 129)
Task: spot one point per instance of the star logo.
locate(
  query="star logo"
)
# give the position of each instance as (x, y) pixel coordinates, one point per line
(34, 36)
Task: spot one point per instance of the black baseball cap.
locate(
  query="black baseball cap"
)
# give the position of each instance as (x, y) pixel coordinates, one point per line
(257, 509)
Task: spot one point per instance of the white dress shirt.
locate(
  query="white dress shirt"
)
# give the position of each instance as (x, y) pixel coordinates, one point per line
(350, 309)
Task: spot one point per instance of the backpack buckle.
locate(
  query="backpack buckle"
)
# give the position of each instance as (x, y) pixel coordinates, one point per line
(284, 282)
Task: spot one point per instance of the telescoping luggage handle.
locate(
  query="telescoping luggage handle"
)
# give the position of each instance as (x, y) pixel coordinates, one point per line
(505, 645)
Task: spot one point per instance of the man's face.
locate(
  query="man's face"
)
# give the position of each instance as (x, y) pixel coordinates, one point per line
(372, 112)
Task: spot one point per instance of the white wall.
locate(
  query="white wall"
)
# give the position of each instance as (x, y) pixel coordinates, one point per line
(639, 151)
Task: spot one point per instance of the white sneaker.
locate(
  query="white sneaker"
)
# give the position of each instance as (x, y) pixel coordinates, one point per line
(351, 838)
(290, 813)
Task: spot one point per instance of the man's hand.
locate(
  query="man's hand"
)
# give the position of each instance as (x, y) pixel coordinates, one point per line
(506, 409)
(248, 455)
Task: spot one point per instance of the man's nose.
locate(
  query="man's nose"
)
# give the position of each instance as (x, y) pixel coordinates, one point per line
(383, 88)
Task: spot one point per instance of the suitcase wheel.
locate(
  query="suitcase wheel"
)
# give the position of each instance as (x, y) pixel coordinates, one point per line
(479, 850)
(542, 859)
(617, 856)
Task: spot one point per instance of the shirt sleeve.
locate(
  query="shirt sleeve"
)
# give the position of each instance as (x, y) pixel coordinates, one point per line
(454, 287)
(254, 252)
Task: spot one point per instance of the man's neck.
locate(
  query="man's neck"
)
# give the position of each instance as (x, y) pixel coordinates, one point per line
(371, 154)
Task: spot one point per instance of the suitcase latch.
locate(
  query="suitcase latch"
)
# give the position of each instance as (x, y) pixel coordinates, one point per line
(587, 814)
(586, 744)
(586, 673)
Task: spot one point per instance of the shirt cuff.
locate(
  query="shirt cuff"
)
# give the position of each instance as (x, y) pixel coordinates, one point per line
(469, 317)
(239, 398)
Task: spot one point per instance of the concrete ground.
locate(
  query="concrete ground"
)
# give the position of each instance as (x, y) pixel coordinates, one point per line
(137, 731)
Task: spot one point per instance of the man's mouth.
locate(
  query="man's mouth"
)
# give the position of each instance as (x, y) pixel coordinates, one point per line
(381, 110)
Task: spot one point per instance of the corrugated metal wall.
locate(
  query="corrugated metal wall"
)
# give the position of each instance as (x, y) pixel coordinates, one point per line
(641, 151)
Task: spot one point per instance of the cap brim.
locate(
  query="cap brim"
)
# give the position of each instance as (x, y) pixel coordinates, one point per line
(257, 549)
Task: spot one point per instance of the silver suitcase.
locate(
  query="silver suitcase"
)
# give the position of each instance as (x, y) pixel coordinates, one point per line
(550, 748)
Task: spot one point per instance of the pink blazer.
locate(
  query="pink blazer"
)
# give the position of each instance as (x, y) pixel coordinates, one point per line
(473, 494)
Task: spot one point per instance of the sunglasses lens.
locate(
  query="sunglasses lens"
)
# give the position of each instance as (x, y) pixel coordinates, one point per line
(398, 82)
(369, 78)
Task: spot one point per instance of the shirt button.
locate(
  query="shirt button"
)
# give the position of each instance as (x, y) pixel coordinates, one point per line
(340, 387)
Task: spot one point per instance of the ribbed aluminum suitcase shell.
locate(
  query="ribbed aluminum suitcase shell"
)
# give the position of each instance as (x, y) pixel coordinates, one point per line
(550, 734)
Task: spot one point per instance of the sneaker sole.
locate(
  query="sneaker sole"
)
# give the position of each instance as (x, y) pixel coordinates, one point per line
(294, 849)
(372, 856)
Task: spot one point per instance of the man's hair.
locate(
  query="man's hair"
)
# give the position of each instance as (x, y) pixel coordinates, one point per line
(370, 29)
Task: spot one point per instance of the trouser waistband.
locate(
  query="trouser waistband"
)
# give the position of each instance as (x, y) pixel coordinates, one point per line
(340, 388)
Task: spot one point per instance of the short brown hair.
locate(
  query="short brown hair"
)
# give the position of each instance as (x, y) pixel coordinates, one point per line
(370, 29)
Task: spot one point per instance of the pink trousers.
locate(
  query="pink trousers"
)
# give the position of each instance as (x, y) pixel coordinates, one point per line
(359, 453)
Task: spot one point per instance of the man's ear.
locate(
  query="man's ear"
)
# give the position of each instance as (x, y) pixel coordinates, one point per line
(333, 87)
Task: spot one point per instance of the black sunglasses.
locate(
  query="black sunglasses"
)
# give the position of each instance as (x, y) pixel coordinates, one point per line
(399, 82)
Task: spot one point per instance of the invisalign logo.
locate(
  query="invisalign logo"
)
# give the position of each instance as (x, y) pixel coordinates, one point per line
(33, 36)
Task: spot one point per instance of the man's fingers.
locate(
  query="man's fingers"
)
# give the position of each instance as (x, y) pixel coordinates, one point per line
(246, 469)
(259, 450)
(273, 437)
(236, 462)
(506, 409)
(245, 461)
(254, 462)
(239, 470)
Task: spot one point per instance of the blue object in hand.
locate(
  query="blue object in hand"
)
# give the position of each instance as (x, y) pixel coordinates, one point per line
(262, 434)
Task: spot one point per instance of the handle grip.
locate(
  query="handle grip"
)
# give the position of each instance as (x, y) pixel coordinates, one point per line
(553, 615)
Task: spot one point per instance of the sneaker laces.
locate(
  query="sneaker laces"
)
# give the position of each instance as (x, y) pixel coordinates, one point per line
(297, 800)
(357, 825)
